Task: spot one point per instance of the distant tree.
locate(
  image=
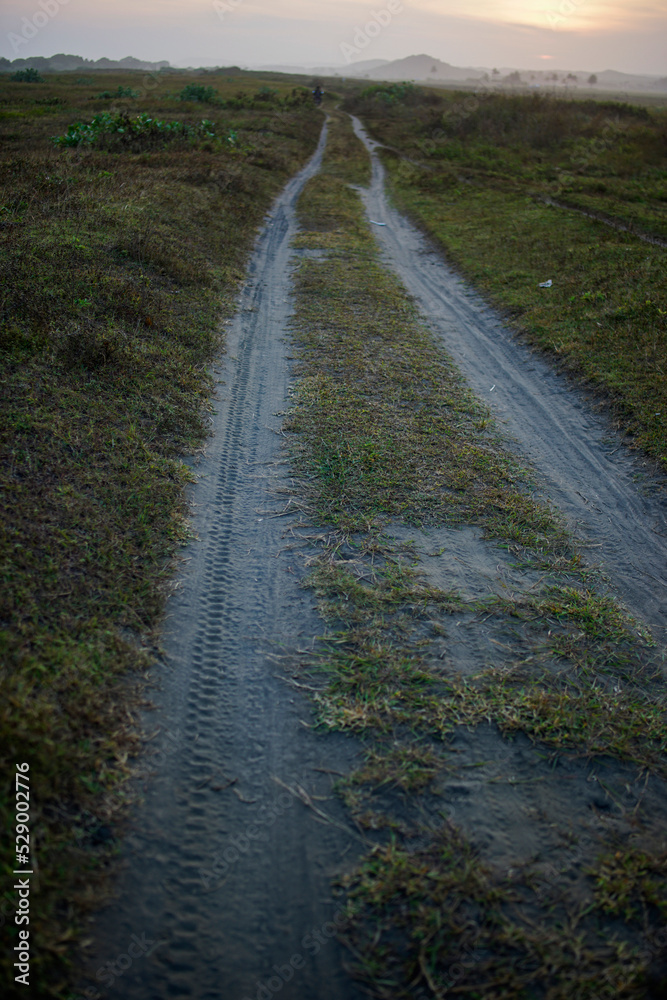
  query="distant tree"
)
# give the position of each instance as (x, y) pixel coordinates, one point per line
(434, 69)
(496, 72)
(592, 80)
(513, 78)
(572, 77)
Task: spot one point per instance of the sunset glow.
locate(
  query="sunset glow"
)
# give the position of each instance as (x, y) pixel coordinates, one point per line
(574, 34)
(571, 15)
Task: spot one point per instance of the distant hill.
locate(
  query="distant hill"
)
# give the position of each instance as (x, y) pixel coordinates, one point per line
(62, 63)
(420, 67)
(425, 69)
(359, 67)
(365, 66)
(612, 78)
(290, 70)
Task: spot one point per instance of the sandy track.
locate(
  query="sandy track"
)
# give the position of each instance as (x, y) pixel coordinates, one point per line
(225, 882)
(605, 493)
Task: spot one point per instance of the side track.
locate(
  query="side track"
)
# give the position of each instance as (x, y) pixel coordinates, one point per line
(604, 492)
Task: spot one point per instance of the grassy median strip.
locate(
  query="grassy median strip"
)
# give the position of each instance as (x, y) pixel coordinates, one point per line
(387, 435)
(491, 177)
(120, 258)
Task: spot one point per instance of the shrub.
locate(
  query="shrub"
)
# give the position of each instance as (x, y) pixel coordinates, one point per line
(121, 92)
(195, 92)
(26, 76)
(266, 94)
(393, 93)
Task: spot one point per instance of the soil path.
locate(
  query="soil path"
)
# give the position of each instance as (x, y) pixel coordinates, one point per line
(225, 883)
(607, 495)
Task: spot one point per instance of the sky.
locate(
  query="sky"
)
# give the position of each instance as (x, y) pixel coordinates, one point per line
(625, 35)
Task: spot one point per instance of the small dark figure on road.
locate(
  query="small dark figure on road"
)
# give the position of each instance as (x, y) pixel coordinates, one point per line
(317, 95)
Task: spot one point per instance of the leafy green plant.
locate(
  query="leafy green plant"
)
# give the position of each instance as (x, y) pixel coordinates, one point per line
(87, 133)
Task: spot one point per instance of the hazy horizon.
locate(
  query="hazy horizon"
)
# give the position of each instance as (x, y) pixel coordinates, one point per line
(538, 34)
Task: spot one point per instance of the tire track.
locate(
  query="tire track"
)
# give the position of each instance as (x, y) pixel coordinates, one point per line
(224, 873)
(583, 468)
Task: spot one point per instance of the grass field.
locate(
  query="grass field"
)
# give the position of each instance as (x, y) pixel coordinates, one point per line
(121, 249)
(119, 260)
(388, 438)
(502, 182)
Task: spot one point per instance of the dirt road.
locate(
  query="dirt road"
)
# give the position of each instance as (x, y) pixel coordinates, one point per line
(608, 496)
(225, 884)
(225, 880)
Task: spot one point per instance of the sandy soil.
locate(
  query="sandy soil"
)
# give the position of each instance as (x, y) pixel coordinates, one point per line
(522, 805)
(610, 497)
